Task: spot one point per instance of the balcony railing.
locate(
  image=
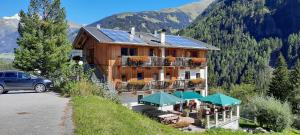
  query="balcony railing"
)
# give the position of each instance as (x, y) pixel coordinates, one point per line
(160, 85)
(145, 61)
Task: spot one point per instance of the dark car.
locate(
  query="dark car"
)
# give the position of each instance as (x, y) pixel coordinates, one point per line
(18, 80)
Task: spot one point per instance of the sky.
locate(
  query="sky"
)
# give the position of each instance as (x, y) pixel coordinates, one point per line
(88, 11)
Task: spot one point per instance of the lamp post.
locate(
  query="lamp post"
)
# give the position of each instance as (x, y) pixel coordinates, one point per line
(78, 69)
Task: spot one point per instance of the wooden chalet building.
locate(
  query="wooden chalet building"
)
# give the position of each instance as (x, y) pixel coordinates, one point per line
(135, 61)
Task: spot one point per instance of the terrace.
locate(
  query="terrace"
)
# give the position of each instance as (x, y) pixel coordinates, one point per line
(153, 61)
(196, 84)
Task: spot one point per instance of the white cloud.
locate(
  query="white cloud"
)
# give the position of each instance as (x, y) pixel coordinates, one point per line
(16, 16)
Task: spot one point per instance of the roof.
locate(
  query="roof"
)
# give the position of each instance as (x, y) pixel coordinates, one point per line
(221, 100)
(142, 39)
(187, 95)
(161, 99)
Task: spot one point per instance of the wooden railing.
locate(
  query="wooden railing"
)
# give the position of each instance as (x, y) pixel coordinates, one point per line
(152, 61)
(159, 85)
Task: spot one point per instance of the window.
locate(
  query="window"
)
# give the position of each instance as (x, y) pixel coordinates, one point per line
(11, 74)
(23, 76)
(124, 51)
(128, 51)
(187, 75)
(140, 76)
(151, 52)
(171, 53)
(1, 74)
(124, 79)
(197, 75)
(132, 51)
(168, 76)
(155, 77)
(194, 54)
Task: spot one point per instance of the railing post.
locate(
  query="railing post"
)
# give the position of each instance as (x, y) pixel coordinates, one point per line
(216, 118)
(224, 115)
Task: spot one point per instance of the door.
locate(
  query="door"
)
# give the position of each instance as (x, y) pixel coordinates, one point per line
(24, 81)
(10, 80)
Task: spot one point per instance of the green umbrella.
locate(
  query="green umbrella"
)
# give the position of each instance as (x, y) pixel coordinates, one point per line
(187, 95)
(161, 99)
(221, 100)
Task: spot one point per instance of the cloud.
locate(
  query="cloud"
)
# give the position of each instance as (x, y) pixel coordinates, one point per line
(16, 16)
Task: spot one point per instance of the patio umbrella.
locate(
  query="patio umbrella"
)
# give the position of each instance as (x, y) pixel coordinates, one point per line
(221, 100)
(161, 99)
(187, 95)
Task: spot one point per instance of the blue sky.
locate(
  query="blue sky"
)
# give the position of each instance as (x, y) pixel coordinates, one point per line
(88, 11)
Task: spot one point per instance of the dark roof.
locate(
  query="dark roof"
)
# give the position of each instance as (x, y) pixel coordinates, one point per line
(147, 39)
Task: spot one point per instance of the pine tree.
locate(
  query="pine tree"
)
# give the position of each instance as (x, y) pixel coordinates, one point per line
(43, 42)
(294, 96)
(279, 86)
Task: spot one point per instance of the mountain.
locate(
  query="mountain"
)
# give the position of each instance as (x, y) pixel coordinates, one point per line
(251, 35)
(9, 33)
(172, 19)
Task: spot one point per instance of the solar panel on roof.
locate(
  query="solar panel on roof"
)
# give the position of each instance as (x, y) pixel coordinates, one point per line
(121, 36)
(182, 42)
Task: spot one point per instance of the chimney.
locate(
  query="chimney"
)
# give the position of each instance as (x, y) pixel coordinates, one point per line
(132, 32)
(163, 36)
(155, 33)
(98, 26)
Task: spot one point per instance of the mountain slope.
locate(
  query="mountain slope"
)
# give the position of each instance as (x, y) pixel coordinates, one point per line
(9, 33)
(172, 19)
(251, 34)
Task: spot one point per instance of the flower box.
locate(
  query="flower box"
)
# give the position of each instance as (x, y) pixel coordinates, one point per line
(169, 60)
(197, 61)
(136, 84)
(137, 60)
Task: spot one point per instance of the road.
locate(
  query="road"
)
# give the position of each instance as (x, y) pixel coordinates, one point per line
(29, 113)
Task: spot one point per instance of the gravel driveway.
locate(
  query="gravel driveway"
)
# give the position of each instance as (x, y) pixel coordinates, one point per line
(29, 113)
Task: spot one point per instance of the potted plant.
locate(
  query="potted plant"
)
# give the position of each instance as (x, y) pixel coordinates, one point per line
(169, 60)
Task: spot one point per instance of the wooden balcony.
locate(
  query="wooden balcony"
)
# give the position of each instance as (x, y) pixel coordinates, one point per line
(147, 61)
(160, 85)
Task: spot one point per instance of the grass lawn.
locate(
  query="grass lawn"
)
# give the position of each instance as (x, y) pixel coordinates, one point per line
(95, 115)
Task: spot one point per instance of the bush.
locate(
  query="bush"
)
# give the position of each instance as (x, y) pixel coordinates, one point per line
(82, 88)
(271, 113)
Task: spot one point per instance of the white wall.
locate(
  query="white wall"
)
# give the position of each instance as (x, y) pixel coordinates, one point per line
(193, 73)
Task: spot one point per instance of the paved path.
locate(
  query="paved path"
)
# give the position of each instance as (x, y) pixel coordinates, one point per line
(28, 113)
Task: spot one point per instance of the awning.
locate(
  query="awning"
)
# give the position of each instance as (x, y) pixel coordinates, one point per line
(187, 95)
(221, 100)
(161, 99)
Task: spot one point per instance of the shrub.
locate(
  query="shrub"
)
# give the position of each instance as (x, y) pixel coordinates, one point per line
(271, 113)
(82, 88)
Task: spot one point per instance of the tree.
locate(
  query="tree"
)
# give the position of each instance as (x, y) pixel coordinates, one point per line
(294, 96)
(43, 42)
(279, 86)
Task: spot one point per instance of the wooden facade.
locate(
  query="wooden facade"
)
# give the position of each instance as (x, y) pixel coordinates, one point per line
(108, 58)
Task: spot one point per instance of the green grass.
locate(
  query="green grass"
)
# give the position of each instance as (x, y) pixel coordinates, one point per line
(97, 116)
(7, 56)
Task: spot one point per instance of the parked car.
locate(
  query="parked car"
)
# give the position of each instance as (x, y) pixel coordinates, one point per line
(18, 80)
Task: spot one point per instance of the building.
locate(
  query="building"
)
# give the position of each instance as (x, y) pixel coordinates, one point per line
(144, 62)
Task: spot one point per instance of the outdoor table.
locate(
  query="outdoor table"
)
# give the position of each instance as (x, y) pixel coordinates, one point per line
(168, 118)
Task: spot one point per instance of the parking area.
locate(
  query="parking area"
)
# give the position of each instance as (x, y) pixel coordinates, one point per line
(30, 113)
